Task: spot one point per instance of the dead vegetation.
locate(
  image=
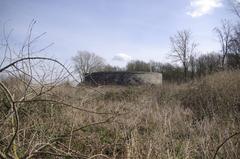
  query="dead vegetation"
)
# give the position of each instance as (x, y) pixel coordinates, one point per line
(171, 121)
(43, 116)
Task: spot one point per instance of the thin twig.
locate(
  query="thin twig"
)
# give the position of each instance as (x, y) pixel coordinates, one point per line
(230, 137)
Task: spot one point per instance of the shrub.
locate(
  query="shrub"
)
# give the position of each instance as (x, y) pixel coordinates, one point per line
(214, 95)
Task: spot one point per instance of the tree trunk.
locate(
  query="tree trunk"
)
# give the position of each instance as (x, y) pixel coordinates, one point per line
(223, 60)
(185, 72)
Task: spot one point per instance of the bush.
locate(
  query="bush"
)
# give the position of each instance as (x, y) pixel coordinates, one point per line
(214, 95)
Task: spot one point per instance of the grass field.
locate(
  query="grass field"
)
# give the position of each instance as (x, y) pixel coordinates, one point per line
(170, 121)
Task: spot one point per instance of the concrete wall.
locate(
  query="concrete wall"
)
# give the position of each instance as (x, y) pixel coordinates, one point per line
(123, 78)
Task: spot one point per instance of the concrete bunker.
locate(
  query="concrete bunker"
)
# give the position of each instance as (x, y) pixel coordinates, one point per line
(123, 78)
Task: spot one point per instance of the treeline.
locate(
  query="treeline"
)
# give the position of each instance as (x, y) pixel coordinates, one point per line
(198, 67)
(189, 64)
(202, 66)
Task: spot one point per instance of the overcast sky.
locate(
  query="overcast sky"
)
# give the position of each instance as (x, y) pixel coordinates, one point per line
(117, 30)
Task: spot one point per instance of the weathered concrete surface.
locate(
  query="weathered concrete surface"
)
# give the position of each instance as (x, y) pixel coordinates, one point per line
(123, 78)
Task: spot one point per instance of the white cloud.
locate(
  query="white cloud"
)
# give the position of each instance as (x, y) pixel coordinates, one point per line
(122, 57)
(202, 7)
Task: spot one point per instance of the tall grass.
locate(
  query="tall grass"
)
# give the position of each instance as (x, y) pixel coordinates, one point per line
(170, 121)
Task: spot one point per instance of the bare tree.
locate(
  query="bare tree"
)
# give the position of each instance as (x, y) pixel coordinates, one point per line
(224, 35)
(208, 64)
(30, 110)
(87, 62)
(182, 49)
(233, 58)
(235, 5)
(138, 65)
(192, 64)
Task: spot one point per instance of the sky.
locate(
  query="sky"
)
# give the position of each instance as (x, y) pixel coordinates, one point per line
(117, 30)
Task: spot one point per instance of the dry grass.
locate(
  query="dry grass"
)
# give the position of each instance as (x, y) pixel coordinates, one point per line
(171, 121)
(216, 95)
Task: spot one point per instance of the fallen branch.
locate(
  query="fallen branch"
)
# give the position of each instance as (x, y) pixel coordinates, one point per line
(230, 137)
